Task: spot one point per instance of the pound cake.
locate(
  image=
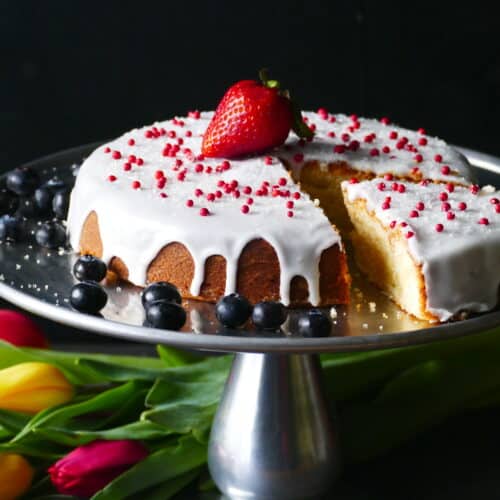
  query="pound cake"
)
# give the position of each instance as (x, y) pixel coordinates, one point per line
(154, 208)
(434, 248)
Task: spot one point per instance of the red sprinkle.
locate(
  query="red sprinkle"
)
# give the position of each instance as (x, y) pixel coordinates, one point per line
(339, 148)
(107, 149)
(160, 183)
(385, 120)
(401, 188)
(409, 234)
(131, 142)
(450, 215)
(296, 195)
(282, 181)
(198, 192)
(204, 212)
(140, 161)
(484, 221)
(445, 169)
(245, 209)
(381, 186)
(438, 158)
(419, 158)
(345, 137)
(414, 214)
(403, 224)
(392, 224)
(127, 166)
(420, 206)
(393, 135)
(445, 206)
(386, 149)
(198, 168)
(450, 187)
(474, 189)
(388, 177)
(462, 205)
(136, 185)
(331, 134)
(289, 213)
(353, 180)
(421, 131)
(298, 157)
(443, 196)
(494, 201)
(497, 208)
(163, 195)
(189, 203)
(211, 197)
(268, 160)
(159, 174)
(289, 204)
(250, 201)
(439, 228)
(112, 178)
(386, 205)
(116, 155)
(422, 141)
(374, 152)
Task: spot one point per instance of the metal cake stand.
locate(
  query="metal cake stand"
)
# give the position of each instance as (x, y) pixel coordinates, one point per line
(273, 435)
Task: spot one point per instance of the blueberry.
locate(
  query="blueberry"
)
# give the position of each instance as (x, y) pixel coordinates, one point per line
(11, 228)
(51, 235)
(27, 207)
(8, 202)
(89, 268)
(88, 297)
(60, 203)
(160, 290)
(55, 184)
(269, 315)
(165, 314)
(43, 200)
(233, 310)
(23, 181)
(314, 323)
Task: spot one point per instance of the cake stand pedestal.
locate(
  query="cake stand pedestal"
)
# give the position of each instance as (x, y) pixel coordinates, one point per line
(274, 435)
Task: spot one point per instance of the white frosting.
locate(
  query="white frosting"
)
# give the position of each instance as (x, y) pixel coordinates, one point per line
(460, 264)
(135, 224)
(399, 162)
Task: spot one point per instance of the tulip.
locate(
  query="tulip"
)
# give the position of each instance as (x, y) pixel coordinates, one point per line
(32, 387)
(18, 329)
(89, 468)
(16, 475)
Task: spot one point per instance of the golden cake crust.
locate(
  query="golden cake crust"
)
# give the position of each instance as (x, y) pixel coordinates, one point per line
(258, 270)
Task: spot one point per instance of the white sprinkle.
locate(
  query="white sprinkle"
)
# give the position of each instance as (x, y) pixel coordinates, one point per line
(372, 306)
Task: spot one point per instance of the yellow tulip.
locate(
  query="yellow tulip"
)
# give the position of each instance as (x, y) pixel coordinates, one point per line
(32, 387)
(16, 475)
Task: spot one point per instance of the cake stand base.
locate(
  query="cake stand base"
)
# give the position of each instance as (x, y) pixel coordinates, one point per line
(273, 435)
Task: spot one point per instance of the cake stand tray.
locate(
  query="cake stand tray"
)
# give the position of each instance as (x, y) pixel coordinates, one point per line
(273, 435)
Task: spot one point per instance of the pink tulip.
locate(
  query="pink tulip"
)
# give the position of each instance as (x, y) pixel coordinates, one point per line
(89, 468)
(18, 329)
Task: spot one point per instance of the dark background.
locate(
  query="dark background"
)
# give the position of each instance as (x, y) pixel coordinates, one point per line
(73, 72)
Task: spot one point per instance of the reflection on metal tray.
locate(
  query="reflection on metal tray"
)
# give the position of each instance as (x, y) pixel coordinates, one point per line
(40, 280)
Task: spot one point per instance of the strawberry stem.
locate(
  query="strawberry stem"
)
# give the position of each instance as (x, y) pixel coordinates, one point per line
(298, 125)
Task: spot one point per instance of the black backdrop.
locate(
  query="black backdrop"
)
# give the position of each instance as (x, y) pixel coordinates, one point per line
(77, 71)
(73, 72)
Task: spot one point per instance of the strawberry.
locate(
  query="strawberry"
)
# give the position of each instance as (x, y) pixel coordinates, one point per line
(252, 117)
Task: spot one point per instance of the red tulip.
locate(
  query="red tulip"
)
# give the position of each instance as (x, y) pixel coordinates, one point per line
(18, 329)
(89, 468)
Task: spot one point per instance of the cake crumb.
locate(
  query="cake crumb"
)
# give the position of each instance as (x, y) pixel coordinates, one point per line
(316, 202)
(372, 306)
(333, 313)
(365, 326)
(385, 316)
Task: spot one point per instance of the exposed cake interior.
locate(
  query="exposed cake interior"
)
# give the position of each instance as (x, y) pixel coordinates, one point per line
(434, 248)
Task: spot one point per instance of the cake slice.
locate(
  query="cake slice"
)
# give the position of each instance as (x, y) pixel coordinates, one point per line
(434, 248)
